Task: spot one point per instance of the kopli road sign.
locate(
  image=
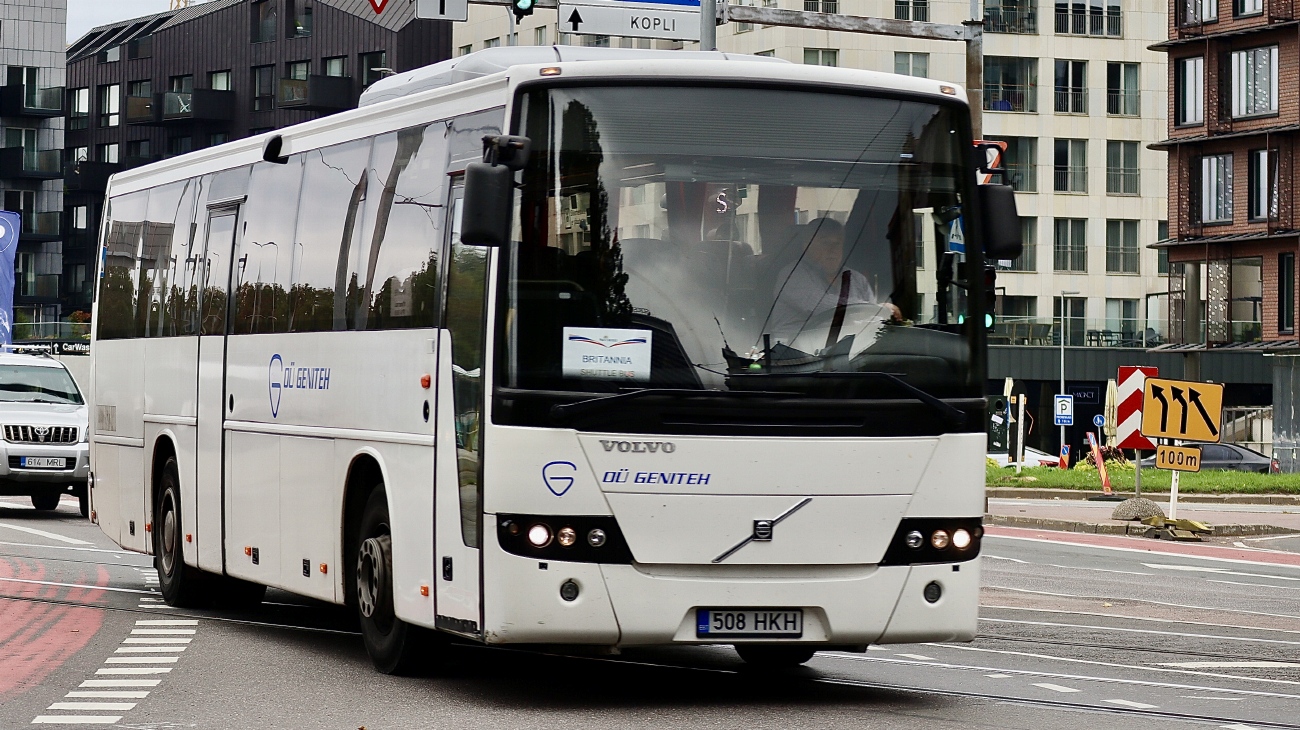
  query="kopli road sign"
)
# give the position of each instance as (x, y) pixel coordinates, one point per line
(1178, 458)
(1181, 409)
(677, 21)
(1064, 410)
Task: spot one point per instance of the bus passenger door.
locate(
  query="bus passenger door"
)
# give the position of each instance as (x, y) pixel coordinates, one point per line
(214, 288)
(458, 494)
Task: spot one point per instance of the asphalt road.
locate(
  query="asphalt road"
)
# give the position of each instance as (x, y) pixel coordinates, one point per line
(1076, 631)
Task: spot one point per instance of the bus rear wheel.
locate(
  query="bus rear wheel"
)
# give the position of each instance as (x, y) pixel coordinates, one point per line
(770, 656)
(394, 646)
(180, 584)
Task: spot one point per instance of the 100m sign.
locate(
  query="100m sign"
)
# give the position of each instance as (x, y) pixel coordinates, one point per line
(1178, 458)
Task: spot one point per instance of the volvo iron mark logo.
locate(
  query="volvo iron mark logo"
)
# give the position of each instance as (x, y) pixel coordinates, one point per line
(274, 378)
(558, 476)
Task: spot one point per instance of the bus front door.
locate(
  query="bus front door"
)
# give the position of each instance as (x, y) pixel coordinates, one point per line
(458, 492)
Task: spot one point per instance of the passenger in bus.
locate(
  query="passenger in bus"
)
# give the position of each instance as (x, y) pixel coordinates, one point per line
(818, 282)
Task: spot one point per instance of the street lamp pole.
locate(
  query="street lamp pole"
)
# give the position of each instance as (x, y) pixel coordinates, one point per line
(1064, 294)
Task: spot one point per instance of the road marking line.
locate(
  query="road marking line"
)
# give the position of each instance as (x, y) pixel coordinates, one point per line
(163, 632)
(109, 694)
(119, 553)
(918, 657)
(73, 585)
(1225, 699)
(121, 683)
(878, 648)
(1142, 600)
(1094, 615)
(1237, 726)
(1180, 634)
(165, 622)
(156, 641)
(998, 676)
(1134, 705)
(43, 533)
(76, 719)
(1010, 560)
(146, 649)
(1056, 687)
(1272, 537)
(1230, 665)
(135, 670)
(92, 706)
(151, 605)
(1217, 571)
(142, 660)
(1144, 551)
(1257, 585)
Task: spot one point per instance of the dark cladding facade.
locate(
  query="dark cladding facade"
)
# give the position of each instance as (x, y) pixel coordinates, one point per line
(163, 85)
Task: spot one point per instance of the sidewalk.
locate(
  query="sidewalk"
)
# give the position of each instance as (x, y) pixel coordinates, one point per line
(1069, 510)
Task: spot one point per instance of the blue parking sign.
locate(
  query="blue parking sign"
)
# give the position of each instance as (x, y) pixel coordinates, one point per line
(1063, 410)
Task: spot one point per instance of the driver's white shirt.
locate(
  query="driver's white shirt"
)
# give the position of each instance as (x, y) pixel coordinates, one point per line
(802, 292)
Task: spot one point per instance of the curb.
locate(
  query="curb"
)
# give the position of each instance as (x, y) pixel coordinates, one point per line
(1080, 494)
(1123, 528)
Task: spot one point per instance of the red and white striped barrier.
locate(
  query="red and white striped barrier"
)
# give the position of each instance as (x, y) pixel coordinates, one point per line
(1132, 381)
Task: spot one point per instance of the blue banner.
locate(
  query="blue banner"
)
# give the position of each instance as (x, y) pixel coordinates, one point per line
(11, 225)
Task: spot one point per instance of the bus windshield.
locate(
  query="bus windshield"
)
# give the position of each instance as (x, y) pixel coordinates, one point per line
(739, 239)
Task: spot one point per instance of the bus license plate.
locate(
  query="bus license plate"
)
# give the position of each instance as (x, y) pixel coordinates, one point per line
(786, 623)
(41, 462)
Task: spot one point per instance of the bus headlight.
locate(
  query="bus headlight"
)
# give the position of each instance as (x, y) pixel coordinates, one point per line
(566, 537)
(539, 535)
(930, 540)
(961, 539)
(939, 539)
(580, 539)
(915, 539)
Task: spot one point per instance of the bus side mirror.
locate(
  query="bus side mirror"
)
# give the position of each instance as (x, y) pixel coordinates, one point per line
(1002, 234)
(489, 195)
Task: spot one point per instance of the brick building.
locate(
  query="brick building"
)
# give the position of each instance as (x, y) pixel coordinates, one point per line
(162, 85)
(1234, 122)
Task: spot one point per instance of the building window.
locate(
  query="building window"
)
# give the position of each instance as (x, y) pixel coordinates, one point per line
(140, 88)
(911, 10)
(1028, 258)
(79, 154)
(1121, 247)
(336, 66)
(1072, 319)
(1189, 90)
(912, 64)
(1071, 87)
(1196, 12)
(1121, 319)
(79, 217)
(1216, 189)
(539, 35)
(1099, 17)
(1070, 164)
(824, 6)
(492, 42)
(79, 108)
(1020, 160)
(1010, 84)
(263, 88)
(297, 70)
(1122, 83)
(217, 138)
(1069, 245)
(373, 66)
(219, 80)
(767, 54)
(107, 152)
(180, 145)
(1162, 254)
(1122, 168)
(1286, 293)
(1262, 179)
(110, 105)
(1247, 7)
(299, 19)
(1011, 16)
(138, 152)
(181, 84)
(821, 57)
(110, 55)
(1254, 81)
(465, 50)
(264, 20)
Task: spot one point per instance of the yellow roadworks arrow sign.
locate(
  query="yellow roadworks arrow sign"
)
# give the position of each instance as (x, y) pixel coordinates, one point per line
(1178, 458)
(1182, 409)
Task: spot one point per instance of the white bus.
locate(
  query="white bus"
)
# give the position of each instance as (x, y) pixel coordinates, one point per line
(564, 346)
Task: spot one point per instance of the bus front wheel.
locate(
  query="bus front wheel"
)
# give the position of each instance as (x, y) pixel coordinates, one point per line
(394, 646)
(180, 584)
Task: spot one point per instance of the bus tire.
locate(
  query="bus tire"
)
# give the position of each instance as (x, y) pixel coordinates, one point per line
(394, 646)
(181, 585)
(46, 501)
(769, 656)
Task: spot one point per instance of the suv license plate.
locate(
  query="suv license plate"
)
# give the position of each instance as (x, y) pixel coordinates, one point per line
(713, 623)
(41, 462)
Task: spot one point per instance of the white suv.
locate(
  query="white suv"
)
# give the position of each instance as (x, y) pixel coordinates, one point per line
(44, 451)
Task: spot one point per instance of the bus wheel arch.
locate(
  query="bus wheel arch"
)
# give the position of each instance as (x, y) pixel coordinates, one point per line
(180, 584)
(364, 476)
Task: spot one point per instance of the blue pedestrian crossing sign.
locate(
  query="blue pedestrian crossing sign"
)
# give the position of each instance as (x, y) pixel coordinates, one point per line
(1099, 420)
(1064, 410)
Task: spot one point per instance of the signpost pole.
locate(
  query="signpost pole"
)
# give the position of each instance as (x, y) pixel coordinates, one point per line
(1137, 474)
(1020, 433)
(708, 25)
(1173, 491)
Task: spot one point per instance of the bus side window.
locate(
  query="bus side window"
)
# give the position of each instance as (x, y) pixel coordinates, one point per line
(165, 259)
(117, 285)
(263, 260)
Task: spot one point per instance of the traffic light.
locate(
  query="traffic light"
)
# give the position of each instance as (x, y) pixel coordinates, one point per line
(990, 294)
(523, 7)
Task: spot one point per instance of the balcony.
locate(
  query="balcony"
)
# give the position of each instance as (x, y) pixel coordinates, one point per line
(317, 93)
(1010, 98)
(20, 162)
(141, 110)
(1122, 181)
(1071, 101)
(200, 105)
(1123, 103)
(1002, 20)
(40, 331)
(1082, 22)
(87, 176)
(38, 289)
(40, 226)
(1070, 179)
(27, 101)
(1022, 331)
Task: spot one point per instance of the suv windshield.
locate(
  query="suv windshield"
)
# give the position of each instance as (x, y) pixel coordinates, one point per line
(738, 240)
(30, 384)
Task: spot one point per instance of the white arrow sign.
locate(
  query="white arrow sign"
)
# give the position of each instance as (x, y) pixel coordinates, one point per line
(457, 10)
(631, 20)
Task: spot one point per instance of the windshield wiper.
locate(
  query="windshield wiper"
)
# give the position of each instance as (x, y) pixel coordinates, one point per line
(560, 412)
(952, 414)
